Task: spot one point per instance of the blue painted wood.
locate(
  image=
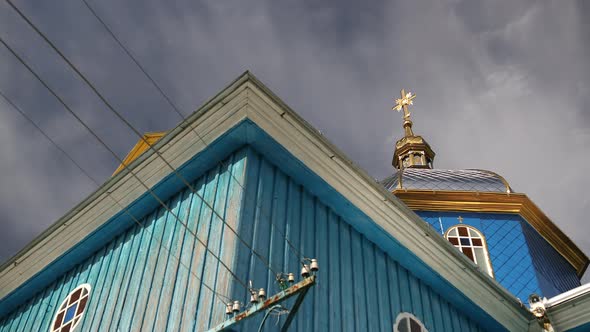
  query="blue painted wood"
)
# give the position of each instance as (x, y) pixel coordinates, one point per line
(36, 307)
(23, 318)
(100, 263)
(195, 261)
(370, 285)
(334, 272)
(382, 288)
(299, 177)
(96, 279)
(360, 287)
(45, 307)
(321, 293)
(118, 280)
(357, 283)
(230, 241)
(213, 268)
(307, 241)
(122, 294)
(205, 296)
(184, 263)
(437, 318)
(161, 250)
(133, 276)
(346, 277)
(172, 255)
(230, 141)
(106, 289)
(26, 316)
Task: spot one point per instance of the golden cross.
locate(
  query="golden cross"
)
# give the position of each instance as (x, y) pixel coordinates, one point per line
(403, 103)
(460, 219)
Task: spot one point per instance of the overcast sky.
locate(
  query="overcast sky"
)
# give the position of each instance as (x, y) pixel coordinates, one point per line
(501, 85)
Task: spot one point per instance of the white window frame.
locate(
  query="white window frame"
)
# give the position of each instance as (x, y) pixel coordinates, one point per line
(79, 316)
(487, 265)
(404, 315)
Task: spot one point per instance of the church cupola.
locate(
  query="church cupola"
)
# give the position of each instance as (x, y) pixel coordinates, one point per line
(411, 151)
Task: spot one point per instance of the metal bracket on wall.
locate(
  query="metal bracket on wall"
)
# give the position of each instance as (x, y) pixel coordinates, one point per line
(301, 288)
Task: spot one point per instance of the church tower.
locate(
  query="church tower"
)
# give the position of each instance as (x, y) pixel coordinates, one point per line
(411, 151)
(503, 232)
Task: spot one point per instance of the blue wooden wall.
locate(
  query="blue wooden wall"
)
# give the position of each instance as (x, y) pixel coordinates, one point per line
(148, 277)
(360, 288)
(523, 262)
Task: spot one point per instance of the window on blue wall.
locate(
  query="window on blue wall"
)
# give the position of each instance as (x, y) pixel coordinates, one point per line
(471, 242)
(406, 322)
(71, 310)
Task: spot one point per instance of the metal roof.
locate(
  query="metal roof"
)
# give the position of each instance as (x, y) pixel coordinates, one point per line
(439, 179)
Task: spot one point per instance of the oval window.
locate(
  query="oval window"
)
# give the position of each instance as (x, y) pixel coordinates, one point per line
(71, 310)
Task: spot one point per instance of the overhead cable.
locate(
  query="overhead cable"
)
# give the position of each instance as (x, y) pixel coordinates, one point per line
(177, 110)
(109, 194)
(151, 192)
(130, 126)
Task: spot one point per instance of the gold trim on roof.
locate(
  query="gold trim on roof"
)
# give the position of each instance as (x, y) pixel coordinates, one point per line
(139, 148)
(491, 202)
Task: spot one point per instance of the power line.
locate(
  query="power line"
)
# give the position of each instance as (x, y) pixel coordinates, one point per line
(67, 107)
(128, 124)
(128, 52)
(119, 204)
(177, 110)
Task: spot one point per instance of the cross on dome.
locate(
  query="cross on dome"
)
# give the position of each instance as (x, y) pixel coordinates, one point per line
(411, 150)
(403, 102)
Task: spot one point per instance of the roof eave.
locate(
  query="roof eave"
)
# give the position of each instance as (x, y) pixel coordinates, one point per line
(571, 309)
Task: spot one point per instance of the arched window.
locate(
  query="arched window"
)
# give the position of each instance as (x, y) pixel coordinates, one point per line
(417, 159)
(71, 310)
(406, 322)
(472, 243)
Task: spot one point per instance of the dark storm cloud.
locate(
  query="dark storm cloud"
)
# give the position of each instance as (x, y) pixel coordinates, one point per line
(501, 85)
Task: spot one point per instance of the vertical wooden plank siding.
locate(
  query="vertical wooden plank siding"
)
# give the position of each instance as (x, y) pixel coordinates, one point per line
(205, 296)
(333, 272)
(149, 277)
(359, 287)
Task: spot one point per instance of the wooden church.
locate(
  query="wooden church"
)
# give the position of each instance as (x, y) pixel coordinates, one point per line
(245, 218)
